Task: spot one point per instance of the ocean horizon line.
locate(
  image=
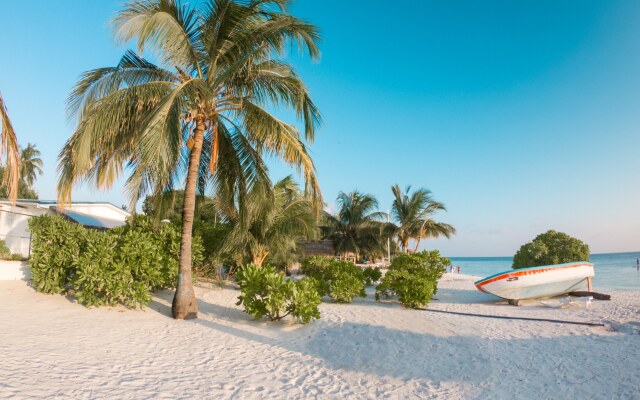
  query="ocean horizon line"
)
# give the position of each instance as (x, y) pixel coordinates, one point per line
(511, 257)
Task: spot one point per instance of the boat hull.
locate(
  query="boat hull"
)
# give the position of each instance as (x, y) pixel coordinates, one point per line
(536, 282)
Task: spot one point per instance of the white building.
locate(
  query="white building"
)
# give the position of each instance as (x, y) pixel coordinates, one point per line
(14, 219)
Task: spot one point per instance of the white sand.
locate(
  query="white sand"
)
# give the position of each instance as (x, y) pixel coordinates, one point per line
(51, 347)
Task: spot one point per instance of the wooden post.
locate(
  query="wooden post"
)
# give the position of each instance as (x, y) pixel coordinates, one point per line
(590, 284)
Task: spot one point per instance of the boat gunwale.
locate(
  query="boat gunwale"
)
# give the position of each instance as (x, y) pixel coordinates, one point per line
(539, 268)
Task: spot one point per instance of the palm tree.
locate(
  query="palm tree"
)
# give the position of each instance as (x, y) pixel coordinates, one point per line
(200, 115)
(9, 148)
(275, 218)
(357, 226)
(414, 214)
(30, 164)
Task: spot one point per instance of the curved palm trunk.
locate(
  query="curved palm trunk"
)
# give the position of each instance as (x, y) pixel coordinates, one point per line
(417, 244)
(259, 258)
(184, 302)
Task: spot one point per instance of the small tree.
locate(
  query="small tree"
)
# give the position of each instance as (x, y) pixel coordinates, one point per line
(551, 248)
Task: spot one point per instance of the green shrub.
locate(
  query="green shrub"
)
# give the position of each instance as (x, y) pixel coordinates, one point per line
(5, 253)
(413, 278)
(118, 266)
(345, 281)
(314, 266)
(341, 280)
(371, 275)
(551, 248)
(266, 293)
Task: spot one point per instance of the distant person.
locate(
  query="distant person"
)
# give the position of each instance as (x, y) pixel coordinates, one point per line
(458, 269)
(638, 264)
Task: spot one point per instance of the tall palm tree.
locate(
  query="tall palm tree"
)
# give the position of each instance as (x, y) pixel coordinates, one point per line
(30, 164)
(357, 226)
(200, 115)
(414, 214)
(275, 218)
(9, 149)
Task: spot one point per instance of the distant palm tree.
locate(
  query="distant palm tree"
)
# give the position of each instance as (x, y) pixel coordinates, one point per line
(414, 216)
(274, 219)
(357, 226)
(30, 164)
(203, 114)
(9, 149)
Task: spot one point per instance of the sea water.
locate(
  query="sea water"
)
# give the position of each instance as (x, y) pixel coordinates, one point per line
(613, 270)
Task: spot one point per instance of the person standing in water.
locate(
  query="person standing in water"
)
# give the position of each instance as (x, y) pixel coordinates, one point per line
(638, 264)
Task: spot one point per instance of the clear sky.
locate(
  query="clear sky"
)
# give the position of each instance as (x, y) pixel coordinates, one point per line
(519, 116)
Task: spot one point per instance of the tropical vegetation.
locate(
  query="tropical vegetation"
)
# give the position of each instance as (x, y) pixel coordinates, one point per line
(414, 214)
(201, 114)
(10, 151)
(550, 248)
(30, 164)
(273, 219)
(341, 280)
(118, 266)
(413, 278)
(266, 293)
(357, 227)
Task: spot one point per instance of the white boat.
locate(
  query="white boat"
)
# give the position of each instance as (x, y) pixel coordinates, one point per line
(535, 282)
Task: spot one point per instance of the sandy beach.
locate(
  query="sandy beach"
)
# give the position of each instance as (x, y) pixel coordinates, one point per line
(54, 348)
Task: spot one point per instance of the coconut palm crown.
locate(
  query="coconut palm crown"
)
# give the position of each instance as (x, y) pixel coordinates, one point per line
(202, 114)
(30, 164)
(414, 214)
(10, 151)
(277, 216)
(357, 226)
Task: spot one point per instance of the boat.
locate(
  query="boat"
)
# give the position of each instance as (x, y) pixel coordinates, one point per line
(536, 282)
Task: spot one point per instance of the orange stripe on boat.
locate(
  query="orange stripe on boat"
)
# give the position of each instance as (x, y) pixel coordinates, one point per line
(523, 273)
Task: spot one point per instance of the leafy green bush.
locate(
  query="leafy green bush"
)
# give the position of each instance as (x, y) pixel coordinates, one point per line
(266, 293)
(551, 248)
(341, 280)
(371, 275)
(5, 253)
(413, 278)
(118, 266)
(314, 266)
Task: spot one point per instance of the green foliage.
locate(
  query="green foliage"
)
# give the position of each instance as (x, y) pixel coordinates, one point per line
(268, 223)
(266, 293)
(24, 191)
(340, 280)
(414, 213)
(357, 226)
(371, 275)
(118, 266)
(551, 248)
(413, 278)
(5, 253)
(313, 266)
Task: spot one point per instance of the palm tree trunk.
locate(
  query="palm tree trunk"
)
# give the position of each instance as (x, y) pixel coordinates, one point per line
(184, 302)
(417, 244)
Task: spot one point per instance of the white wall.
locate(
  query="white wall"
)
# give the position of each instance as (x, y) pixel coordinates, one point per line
(14, 227)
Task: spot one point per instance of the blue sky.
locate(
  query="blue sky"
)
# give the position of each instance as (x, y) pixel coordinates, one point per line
(519, 116)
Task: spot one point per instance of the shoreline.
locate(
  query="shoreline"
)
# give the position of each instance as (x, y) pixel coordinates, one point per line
(54, 347)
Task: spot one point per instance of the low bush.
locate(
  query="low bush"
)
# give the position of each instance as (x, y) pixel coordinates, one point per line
(266, 293)
(5, 253)
(340, 280)
(550, 248)
(413, 278)
(314, 266)
(118, 266)
(371, 275)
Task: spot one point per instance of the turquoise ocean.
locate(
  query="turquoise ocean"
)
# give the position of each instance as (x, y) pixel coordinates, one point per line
(613, 270)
